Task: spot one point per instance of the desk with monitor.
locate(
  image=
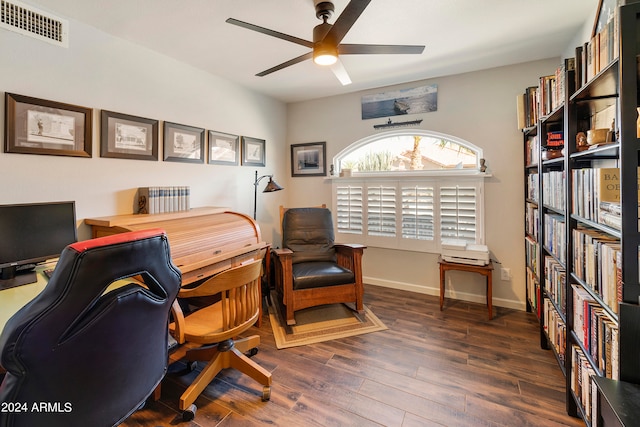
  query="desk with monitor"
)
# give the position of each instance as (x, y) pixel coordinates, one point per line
(13, 299)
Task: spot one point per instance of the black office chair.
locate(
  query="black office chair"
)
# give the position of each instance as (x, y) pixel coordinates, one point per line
(89, 352)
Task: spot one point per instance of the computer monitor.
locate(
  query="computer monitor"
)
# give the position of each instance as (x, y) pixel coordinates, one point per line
(33, 233)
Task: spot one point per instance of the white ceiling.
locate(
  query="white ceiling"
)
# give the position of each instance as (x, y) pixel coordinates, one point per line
(459, 35)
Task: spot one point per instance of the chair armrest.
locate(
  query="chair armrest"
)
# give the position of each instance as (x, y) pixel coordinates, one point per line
(348, 250)
(282, 252)
(350, 256)
(348, 246)
(178, 322)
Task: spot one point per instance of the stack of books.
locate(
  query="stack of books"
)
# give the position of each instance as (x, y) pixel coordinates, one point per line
(153, 200)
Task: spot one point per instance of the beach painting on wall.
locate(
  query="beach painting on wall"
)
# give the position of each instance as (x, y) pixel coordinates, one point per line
(423, 99)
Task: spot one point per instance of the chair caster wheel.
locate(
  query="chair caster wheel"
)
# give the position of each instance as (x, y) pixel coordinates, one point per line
(191, 366)
(266, 393)
(189, 413)
(252, 352)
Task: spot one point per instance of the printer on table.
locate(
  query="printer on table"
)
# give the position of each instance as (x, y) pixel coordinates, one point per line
(459, 251)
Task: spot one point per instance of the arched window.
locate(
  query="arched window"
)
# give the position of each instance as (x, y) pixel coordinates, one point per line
(409, 189)
(409, 151)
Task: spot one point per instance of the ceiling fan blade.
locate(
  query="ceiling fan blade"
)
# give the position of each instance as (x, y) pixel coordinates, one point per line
(345, 21)
(286, 64)
(341, 73)
(269, 32)
(374, 49)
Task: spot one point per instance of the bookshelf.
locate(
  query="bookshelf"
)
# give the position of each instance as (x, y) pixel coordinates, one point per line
(582, 256)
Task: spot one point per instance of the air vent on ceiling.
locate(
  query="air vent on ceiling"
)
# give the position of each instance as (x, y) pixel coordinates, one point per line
(27, 20)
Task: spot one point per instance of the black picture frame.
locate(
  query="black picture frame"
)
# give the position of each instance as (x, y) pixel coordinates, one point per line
(40, 126)
(309, 159)
(123, 136)
(183, 143)
(253, 151)
(224, 148)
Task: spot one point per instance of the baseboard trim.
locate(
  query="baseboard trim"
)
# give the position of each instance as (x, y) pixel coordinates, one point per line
(429, 290)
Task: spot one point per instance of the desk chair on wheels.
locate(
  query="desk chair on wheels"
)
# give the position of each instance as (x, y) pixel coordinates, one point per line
(99, 350)
(216, 325)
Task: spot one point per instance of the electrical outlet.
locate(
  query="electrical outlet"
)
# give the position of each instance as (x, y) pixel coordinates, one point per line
(505, 274)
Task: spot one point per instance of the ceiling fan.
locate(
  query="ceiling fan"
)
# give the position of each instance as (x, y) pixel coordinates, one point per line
(327, 37)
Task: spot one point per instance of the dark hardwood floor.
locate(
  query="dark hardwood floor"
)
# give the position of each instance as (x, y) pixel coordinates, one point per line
(430, 368)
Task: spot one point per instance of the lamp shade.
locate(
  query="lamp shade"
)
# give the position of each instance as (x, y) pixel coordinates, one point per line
(271, 186)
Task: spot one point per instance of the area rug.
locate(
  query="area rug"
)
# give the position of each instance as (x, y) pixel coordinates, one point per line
(322, 323)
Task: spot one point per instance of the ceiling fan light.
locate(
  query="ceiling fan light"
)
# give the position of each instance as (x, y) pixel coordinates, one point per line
(325, 55)
(325, 59)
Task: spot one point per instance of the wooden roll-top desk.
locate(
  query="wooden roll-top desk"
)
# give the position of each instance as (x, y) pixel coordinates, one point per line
(203, 241)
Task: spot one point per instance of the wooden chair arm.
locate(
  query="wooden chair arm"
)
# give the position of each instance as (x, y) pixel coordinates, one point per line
(178, 322)
(348, 246)
(350, 256)
(282, 252)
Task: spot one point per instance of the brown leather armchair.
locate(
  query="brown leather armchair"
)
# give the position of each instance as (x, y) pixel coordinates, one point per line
(311, 269)
(90, 351)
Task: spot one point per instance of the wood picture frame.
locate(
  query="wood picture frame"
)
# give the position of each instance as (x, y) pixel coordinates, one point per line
(224, 148)
(123, 136)
(253, 151)
(183, 143)
(309, 159)
(40, 126)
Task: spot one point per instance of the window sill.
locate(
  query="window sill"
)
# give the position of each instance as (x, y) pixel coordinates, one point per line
(410, 175)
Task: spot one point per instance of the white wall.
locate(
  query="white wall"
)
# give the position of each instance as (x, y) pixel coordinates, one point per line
(479, 107)
(103, 72)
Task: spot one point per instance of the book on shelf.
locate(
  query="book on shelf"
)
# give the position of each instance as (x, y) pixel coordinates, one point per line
(608, 180)
(581, 382)
(532, 150)
(578, 67)
(555, 281)
(612, 220)
(598, 263)
(555, 140)
(532, 219)
(546, 88)
(596, 190)
(532, 105)
(599, 51)
(555, 328)
(162, 199)
(520, 111)
(533, 190)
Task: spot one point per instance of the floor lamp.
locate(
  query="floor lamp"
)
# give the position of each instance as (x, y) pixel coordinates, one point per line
(271, 186)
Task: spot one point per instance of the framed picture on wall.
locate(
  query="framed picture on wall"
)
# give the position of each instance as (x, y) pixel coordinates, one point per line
(224, 148)
(183, 143)
(128, 137)
(39, 126)
(253, 151)
(308, 159)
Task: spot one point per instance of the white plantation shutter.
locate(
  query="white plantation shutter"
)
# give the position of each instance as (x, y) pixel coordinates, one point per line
(381, 210)
(348, 209)
(411, 215)
(458, 212)
(417, 212)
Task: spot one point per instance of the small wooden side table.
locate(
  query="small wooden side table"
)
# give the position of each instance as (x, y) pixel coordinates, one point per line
(485, 270)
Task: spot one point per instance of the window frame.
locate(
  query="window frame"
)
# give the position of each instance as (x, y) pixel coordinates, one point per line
(337, 159)
(402, 179)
